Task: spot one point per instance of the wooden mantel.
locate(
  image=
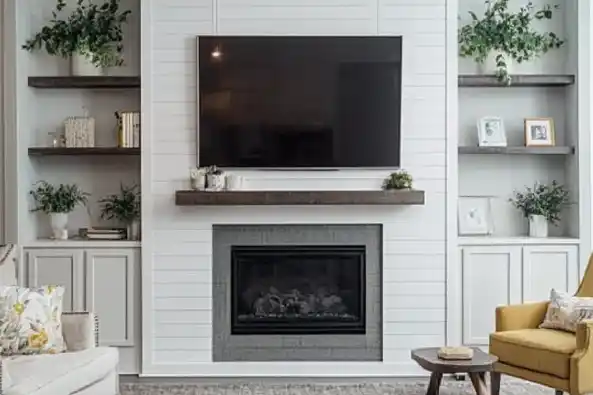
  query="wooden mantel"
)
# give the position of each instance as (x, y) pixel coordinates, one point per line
(289, 198)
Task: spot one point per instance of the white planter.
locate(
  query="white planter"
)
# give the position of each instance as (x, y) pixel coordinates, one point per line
(538, 226)
(489, 65)
(216, 182)
(234, 182)
(133, 231)
(82, 66)
(197, 179)
(59, 223)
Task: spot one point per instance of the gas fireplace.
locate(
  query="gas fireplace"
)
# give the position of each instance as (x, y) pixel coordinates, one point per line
(298, 290)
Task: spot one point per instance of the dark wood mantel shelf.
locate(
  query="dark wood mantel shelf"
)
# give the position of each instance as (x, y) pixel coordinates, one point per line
(290, 198)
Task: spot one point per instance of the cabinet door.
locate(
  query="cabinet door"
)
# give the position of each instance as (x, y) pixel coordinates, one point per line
(57, 267)
(109, 293)
(491, 277)
(547, 267)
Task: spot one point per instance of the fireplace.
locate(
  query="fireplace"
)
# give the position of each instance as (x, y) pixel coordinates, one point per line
(298, 290)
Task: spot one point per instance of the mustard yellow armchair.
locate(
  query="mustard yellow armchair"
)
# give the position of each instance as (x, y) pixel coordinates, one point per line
(557, 359)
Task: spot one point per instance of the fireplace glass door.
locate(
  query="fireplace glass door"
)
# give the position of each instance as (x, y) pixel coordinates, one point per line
(298, 290)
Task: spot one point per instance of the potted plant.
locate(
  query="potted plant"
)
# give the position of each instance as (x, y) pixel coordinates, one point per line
(215, 179)
(400, 179)
(501, 37)
(57, 202)
(541, 205)
(125, 207)
(91, 36)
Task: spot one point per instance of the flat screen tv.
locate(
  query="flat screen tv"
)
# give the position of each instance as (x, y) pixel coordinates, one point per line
(299, 102)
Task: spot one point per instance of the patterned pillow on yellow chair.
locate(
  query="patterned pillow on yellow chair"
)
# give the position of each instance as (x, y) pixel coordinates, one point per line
(30, 320)
(566, 311)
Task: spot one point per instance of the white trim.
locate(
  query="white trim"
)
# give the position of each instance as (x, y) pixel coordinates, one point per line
(2, 126)
(146, 61)
(453, 267)
(487, 241)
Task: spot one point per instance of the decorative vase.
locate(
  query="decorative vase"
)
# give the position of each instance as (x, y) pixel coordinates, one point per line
(82, 65)
(489, 65)
(538, 226)
(215, 182)
(133, 230)
(59, 223)
(197, 179)
(234, 182)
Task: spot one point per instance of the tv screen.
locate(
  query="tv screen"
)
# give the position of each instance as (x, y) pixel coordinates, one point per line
(283, 102)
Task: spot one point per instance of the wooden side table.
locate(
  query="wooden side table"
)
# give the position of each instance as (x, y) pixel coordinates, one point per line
(476, 368)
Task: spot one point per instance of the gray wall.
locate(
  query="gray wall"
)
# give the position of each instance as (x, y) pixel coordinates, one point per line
(227, 347)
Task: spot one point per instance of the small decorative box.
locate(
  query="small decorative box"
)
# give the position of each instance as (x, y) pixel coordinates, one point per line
(455, 353)
(79, 132)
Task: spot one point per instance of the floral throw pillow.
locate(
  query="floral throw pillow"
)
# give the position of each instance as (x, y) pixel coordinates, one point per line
(30, 320)
(566, 311)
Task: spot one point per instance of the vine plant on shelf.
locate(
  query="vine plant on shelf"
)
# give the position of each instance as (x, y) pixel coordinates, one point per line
(505, 36)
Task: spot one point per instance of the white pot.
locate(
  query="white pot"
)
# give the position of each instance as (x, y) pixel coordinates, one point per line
(489, 65)
(133, 231)
(59, 223)
(198, 179)
(538, 226)
(82, 66)
(216, 182)
(234, 182)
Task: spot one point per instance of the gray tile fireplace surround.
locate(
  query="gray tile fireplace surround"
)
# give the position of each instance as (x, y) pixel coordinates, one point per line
(301, 347)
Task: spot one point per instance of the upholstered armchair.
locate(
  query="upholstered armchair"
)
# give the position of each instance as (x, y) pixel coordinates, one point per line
(557, 359)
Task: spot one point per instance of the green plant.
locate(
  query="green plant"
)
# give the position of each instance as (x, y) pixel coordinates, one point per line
(92, 30)
(213, 171)
(60, 199)
(124, 206)
(400, 179)
(511, 34)
(546, 200)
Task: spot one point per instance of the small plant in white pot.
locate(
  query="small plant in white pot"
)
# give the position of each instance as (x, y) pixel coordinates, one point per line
(398, 180)
(215, 179)
(541, 205)
(125, 207)
(57, 203)
(502, 36)
(91, 36)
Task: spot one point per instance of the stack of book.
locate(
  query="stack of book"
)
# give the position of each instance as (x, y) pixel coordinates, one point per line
(129, 129)
(103, 233)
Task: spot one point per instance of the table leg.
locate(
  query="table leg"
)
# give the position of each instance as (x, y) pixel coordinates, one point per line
(434, 384)
(479, 382)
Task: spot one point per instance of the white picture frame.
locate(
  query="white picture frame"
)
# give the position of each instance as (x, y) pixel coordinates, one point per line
(540, 132)
(491, 132)
(474, 216)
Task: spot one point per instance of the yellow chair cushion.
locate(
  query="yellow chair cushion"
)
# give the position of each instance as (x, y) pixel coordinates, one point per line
(541, 350)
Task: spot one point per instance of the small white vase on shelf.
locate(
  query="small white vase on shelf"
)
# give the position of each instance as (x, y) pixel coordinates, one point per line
(133, 230)
(59, 223)
(82, 65)
(216, 182)
(489, 65)
(538, 226)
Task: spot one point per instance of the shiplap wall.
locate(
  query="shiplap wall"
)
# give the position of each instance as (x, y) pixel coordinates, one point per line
(178, 241)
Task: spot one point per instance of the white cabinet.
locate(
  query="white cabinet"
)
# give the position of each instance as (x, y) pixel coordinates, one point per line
(495, 275)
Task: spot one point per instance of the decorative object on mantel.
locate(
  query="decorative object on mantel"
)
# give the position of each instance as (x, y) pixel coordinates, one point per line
(80, 131)
(541, 204)
(91, 36)
(491, 132)
(215, 179)
(503, 36)
(234, 182)
(57, 202)
(398, 180)
(128, 129)
(475, 216)
(103, 233)
(197, 178)
(539, 132)
(455, 353)
(125, 207)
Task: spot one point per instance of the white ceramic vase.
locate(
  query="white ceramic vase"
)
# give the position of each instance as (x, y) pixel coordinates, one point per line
(133, 230)
(234, 182)
(538, 226)
(197, 178)
(216, 182)
(83, 66)
(59, 225)
(489, 65)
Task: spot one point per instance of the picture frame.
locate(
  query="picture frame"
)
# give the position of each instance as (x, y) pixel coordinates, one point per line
(491, 132)
(539, 132)
(474, 216)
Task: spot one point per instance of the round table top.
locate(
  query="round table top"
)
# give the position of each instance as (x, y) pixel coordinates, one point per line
(429, 360)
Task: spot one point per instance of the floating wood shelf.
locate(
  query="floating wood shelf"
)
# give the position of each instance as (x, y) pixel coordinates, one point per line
(94, 151)
(283, 198)
(99, 82)
(518, 80)
(469, 150)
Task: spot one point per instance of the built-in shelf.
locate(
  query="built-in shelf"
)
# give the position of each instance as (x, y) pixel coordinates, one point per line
(82, 243)
(90, 151)
(283, 198)
(99, 82)
(518, 240)
(518, 80)
(518, 150)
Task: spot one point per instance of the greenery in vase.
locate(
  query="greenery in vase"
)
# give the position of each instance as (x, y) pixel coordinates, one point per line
(399, 180)
(60, 199)
(123, 206)
(92, 30)
(546, 200)
(213, 171)
(510, 34)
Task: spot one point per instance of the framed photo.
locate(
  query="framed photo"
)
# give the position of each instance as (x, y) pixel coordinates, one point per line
(474, 216)
(491, 132)
(539, 131)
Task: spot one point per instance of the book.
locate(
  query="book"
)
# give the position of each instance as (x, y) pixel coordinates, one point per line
(455, 353)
